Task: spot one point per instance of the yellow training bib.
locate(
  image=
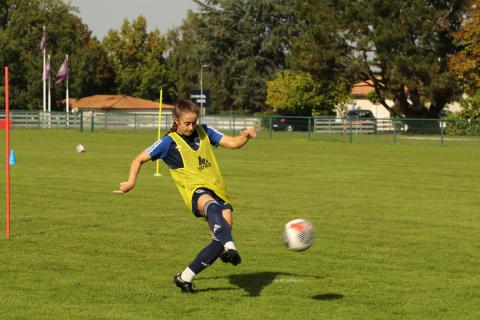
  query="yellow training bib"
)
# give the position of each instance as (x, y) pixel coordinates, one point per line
(200, 169)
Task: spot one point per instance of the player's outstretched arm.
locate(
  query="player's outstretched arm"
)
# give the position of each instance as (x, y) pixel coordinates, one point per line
(238, 141)
(126, 186)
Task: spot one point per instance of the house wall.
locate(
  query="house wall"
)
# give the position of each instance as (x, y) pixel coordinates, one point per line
(379, 110)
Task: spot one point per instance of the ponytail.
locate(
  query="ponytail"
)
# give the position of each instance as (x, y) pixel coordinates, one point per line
(172, 129)
(181, 107)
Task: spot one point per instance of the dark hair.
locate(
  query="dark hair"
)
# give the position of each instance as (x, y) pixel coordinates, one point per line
(181, 107)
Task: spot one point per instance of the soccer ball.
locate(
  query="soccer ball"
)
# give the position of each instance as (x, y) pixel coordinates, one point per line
(80, 148)
(298, 235)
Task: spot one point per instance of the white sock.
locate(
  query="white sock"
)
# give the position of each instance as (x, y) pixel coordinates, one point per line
(187, 275)
(230, 245)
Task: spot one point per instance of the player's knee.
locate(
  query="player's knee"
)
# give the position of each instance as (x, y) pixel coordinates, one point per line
(213, 211)
(202, 201)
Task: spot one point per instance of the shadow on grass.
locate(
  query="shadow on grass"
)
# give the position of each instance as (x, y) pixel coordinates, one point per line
(328, 296)
(254, 283)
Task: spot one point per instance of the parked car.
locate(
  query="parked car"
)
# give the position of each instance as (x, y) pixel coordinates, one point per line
(291, 123)
(362, 120)
(360, 114)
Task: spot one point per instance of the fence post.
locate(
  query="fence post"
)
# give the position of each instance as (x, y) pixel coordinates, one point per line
(441, 132)
(309, 127)
(92, 120)
(106, 120)
(394, 129)
(81, 120)
(135, 123)
(350, 130)
(270, 127)
(233, 126)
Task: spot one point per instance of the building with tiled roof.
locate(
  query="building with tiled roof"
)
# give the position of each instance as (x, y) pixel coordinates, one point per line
(362, 88)
(117, 103)
(359, 95)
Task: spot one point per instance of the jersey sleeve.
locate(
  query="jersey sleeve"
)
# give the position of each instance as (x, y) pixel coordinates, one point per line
(160, 148)
(213, 135)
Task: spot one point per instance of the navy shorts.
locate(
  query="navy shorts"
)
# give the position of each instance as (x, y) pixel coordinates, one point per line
(200, 192)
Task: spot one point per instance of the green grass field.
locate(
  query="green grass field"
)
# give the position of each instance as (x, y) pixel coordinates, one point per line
(398, 232)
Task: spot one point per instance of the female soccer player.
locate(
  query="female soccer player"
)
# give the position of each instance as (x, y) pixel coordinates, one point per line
(187, 151)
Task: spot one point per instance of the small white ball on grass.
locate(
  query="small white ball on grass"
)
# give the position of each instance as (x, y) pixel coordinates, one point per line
(80, 148)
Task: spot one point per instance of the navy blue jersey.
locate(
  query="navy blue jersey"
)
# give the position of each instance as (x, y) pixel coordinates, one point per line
(166, 148)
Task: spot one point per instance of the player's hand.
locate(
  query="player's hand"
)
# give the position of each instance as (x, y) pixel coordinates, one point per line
(124, 187)
(249, 133)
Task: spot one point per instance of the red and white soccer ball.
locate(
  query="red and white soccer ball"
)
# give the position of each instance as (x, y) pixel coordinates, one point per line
(298, 235)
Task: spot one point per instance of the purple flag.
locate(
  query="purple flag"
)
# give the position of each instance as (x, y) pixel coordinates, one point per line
(62, 73)
(43, 42)
(46, 71)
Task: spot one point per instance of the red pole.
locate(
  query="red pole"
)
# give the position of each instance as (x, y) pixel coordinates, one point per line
(7, 152)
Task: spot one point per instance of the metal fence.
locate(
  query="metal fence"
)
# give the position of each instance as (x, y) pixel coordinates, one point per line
(316, 128)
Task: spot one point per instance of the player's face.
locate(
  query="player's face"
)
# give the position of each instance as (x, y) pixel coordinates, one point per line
(187, 123)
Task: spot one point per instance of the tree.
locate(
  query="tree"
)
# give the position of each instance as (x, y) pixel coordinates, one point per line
(138, 60)
(402, 47)
(244, 42)
(298, 93)
(466, 63)
(318, 47)
(184, 56)
(21, 24)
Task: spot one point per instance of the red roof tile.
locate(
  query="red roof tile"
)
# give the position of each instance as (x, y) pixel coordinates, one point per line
(362, 88)
(115, 102)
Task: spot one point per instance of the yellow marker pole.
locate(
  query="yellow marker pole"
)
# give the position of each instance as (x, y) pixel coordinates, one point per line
(158, 174)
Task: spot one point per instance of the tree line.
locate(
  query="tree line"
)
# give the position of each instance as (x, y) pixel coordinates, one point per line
(293, 56)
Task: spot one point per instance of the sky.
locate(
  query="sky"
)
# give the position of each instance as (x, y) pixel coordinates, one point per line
(102, 15)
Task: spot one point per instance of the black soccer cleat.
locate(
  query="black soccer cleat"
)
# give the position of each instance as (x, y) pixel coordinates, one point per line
(184, 285)
(231, 256)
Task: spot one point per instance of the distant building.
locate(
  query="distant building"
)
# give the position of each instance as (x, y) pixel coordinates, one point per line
(360, 100)
(117, 103)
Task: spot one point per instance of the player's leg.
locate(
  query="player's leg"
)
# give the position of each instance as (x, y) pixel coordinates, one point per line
(229, 256)
(228, 217)
(206, 206)
(209, 207)
(205, 258)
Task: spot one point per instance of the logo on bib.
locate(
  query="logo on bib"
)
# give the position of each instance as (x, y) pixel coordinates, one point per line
(203, 163)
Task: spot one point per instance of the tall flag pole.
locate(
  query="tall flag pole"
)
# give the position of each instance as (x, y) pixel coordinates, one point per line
(44, 53)
(158, 174)
(66, 93)
(47, 76)
(7, 151)
(49, 99)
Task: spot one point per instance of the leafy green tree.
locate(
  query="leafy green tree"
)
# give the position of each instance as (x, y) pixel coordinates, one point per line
(401, 46)
(244, 43)
(466, 63)
(318, 48)
(91, 71)
(138, 60)
(300, 94)
(21, 24)
(184, 58)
